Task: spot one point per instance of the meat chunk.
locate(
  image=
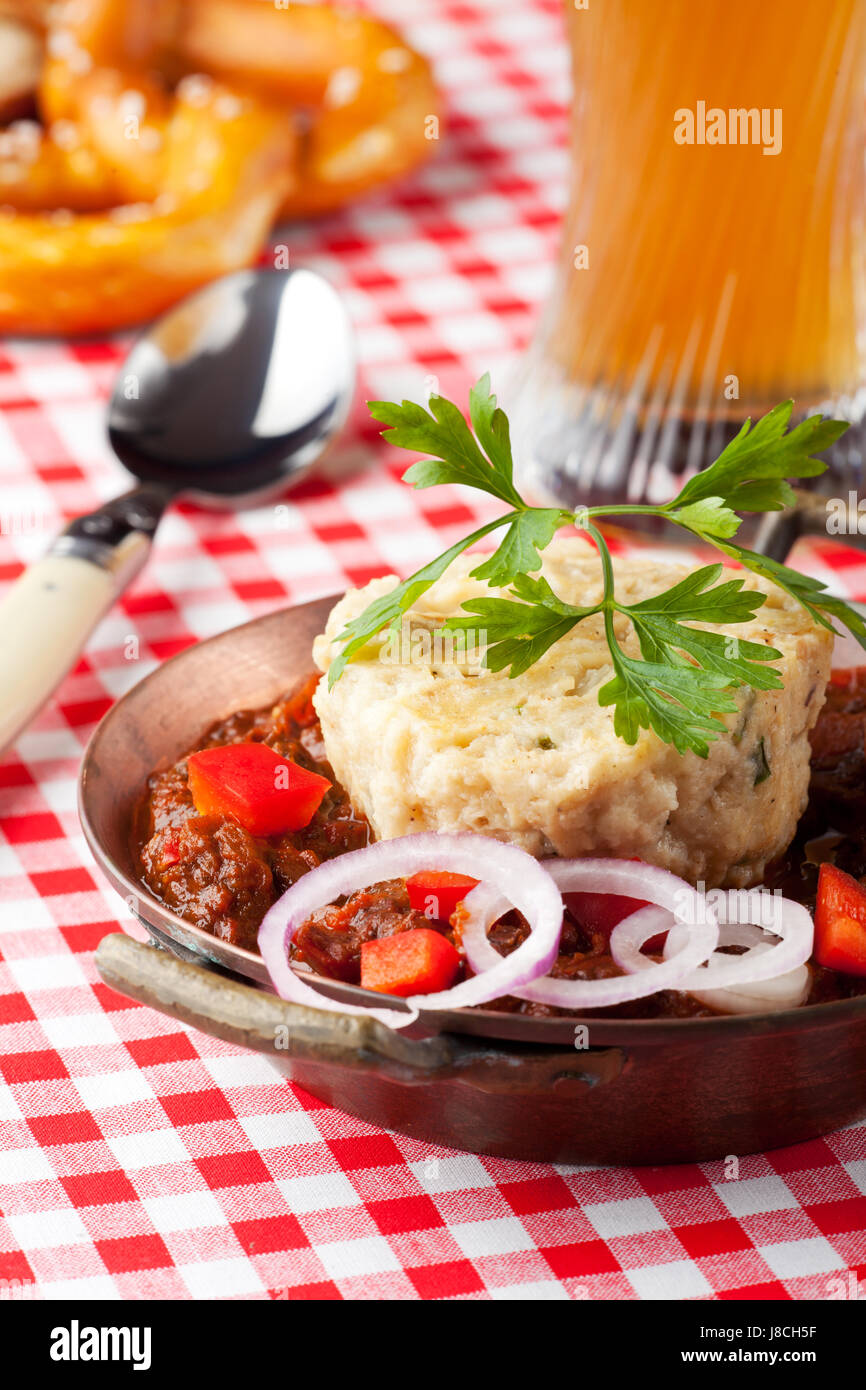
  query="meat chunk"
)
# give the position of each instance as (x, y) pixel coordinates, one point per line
(215, 874)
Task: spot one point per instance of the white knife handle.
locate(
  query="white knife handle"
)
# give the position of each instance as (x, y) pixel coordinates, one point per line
(45, 620)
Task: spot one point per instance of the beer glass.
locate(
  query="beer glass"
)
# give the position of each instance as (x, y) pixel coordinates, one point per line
(712, 251)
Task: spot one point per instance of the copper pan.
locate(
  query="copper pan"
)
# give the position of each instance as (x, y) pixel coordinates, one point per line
(567, 1090)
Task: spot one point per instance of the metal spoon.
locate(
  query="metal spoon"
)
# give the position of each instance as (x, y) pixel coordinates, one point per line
(229, 397)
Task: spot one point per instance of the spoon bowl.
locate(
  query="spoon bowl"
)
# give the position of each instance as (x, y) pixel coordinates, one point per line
(239, 388)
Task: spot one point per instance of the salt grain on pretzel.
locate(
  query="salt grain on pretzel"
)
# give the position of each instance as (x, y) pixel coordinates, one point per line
(79, 61)
(228, 107)
(65, 135)
(131, 212)
(60, 43)
(394, 60)
(196, 89)
(343, 86)
(132, 104)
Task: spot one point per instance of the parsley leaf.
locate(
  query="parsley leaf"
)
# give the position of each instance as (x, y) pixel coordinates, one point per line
(686, 674)
(750, 474)
(709, 517)
(457, 455)
(811, 593)
(517, 633)
(387, 610)
(679, 702)
(518, 551)
(660, 624)
(699, 598)
(491, 429)
(482, 460)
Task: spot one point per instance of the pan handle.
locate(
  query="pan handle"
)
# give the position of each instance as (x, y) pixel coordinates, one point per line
(281, 1030)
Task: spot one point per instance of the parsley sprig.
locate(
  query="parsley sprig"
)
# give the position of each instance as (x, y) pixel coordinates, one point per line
(685, 677)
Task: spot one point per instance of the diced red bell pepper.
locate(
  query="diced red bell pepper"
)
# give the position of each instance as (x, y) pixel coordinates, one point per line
(249, 782)
(436, 893)
(850, 677)
(601, 911)
(421, 961)
(840, 922)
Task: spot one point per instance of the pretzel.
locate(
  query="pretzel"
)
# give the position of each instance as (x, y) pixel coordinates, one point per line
(374, 103)
(174, 134)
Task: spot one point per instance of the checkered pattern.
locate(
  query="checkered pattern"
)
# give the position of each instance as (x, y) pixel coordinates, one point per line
(139, 1159)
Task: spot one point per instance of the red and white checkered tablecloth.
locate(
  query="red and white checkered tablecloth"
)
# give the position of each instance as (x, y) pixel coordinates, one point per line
(140, 1159)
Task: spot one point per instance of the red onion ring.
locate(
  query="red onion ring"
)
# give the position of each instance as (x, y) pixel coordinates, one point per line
(625, 878)
(761, 961)
(765, 977)
(762, 996)
(518, 878)
(630, 935)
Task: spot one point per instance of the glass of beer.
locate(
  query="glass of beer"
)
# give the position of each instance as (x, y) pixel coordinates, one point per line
(712, 259)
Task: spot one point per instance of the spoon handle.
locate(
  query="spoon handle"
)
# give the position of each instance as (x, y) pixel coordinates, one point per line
(51, 610)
